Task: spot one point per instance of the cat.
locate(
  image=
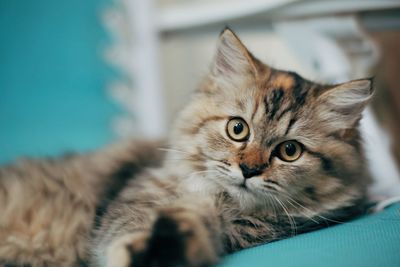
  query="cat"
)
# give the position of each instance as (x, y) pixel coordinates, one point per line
(257, 155)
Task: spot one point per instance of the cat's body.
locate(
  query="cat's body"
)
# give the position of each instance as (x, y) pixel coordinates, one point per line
(257, 155)
(48, 207)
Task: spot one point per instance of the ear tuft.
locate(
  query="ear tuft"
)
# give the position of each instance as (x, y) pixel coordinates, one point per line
(232, 57)
(227, 28)
(357, 92)
(343, 104)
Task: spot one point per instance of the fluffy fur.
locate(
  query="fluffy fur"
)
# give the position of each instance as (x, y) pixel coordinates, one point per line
(111, 209)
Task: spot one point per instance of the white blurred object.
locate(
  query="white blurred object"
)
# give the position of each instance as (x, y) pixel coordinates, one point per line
(149, 94)
(381, 164)
(386, 203)
(189, 14)
(198, 13)
(135, 52)
(318, 53)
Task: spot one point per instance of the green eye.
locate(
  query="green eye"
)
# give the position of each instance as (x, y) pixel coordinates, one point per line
(237, 129)
(289, 150)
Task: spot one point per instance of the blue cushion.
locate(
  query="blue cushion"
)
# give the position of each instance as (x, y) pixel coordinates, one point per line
(373, 240)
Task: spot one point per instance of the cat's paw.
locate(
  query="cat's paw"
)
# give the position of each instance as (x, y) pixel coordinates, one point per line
(178, 239)
(120, 252)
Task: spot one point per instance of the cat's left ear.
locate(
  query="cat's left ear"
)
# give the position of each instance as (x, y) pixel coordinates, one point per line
(343, 104)
(232, 59)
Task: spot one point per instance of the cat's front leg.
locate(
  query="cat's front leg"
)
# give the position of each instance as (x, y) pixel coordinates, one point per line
(121, 250)
(179, 237)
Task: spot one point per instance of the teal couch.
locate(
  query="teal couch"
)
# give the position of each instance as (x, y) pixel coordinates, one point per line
(371, 241)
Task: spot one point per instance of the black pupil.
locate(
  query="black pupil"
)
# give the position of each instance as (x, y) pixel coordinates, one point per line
(238, 128)
(290, 149)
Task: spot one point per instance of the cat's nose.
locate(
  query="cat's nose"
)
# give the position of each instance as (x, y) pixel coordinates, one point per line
(249, 172)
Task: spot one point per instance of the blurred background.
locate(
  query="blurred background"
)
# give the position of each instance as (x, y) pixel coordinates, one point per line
(77, 75)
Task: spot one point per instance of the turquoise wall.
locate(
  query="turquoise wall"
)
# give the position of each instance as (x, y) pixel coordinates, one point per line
(53, 78)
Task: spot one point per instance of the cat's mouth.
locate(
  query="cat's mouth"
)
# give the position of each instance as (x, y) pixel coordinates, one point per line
(243, 185)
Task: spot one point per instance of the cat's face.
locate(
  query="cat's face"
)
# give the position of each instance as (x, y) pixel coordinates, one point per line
(260, 133)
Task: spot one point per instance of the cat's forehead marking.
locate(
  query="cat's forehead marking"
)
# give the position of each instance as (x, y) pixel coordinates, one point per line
(284, 81)
(273, 102)
(300, 89)
(285, 92)
(255, 109)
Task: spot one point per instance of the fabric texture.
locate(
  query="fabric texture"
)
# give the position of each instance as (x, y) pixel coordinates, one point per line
(373, 240)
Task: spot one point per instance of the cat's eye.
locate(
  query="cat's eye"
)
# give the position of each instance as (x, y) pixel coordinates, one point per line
(237, 129)
(289, 150)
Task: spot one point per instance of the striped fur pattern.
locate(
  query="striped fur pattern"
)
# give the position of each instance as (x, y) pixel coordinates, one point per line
(49, 207)
(198, 205)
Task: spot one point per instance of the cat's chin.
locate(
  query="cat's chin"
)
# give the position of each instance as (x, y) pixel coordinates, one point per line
(246, 198)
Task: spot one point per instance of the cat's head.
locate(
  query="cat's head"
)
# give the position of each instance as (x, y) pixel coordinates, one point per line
(261, 133)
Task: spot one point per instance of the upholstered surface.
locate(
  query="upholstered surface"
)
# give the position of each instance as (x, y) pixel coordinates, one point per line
(373, 240)
(53, 79)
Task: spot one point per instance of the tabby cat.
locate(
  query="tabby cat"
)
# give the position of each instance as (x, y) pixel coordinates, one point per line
(258, 154)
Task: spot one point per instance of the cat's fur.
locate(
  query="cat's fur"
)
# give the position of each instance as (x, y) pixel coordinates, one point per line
(196, 206)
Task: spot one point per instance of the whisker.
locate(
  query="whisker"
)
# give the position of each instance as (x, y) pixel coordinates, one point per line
(313, 212)
(172, 150)
(292, 222)
(177, 159)
(187, 156)
(269, 187)
(199, 172)
(273, 182)
(272, 204)
(304, 214)
(209, 157)
(273, 186)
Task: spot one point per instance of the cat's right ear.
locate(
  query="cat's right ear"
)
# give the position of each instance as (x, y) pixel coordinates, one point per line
(232, 59)
(343, 104)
